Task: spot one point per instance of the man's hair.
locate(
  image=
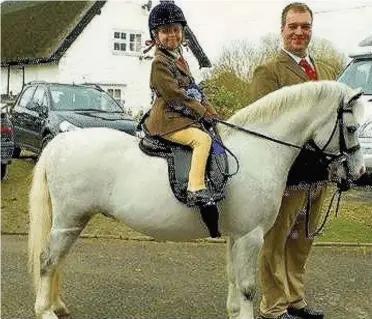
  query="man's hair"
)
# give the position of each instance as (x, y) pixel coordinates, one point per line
(297, 6)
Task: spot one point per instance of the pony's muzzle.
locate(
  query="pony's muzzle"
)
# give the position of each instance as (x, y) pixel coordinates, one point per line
(362, 170)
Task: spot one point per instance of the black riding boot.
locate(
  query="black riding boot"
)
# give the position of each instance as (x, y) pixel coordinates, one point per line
(208, 209)
(199, 198)
(210, 216)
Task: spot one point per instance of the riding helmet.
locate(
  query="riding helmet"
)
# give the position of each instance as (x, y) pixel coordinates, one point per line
(165, 13)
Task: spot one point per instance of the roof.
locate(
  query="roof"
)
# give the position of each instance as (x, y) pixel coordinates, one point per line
(363, 52)
(366, 42)
(41, 31)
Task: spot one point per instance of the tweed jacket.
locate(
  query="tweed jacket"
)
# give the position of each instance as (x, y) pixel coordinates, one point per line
(284, 71)
(173, 109)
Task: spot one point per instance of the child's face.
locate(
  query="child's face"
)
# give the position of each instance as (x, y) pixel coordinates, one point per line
(170, 36)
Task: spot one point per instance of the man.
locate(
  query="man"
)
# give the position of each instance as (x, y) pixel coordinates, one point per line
(286, 247)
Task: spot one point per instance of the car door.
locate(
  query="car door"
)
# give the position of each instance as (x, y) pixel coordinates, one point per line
(37, 114)
(20, 118)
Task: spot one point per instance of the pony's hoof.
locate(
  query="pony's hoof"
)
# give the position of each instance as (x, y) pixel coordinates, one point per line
(62, 312)
(60, 309)
(47, 315)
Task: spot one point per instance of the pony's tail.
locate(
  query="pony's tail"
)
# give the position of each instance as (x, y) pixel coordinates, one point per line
(40, 218)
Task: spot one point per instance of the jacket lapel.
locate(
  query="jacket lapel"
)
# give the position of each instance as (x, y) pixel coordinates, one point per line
(291, 65)
(183, 67)
(319, 71)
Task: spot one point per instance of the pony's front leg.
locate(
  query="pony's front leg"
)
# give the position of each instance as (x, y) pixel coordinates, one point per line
(244, 254)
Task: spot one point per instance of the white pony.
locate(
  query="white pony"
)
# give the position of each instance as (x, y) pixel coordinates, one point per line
(103, 170)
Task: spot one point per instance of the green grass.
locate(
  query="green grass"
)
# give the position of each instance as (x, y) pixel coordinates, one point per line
(14, 205)
(353, 225)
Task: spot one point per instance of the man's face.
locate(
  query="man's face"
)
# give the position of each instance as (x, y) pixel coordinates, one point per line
(297, 31)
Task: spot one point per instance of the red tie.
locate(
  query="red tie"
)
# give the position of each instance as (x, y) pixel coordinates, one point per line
(310, 72)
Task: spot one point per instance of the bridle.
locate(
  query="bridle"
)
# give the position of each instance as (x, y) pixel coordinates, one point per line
(328, 158)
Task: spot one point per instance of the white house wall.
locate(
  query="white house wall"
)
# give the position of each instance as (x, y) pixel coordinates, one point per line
(90, 57)
(45, 72)
(41, 72)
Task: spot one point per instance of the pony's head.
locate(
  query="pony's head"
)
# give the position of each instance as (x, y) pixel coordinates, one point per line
(338, 140)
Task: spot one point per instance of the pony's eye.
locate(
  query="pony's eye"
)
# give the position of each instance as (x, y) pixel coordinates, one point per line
(351, 129)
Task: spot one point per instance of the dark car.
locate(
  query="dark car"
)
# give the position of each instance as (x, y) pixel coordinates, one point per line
(42, 110)
(7, 144)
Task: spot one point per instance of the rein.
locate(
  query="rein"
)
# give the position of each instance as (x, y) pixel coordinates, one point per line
(260, 135)
(325, 157)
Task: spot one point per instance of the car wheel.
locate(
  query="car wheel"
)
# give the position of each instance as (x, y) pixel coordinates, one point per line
(4, 171)
(16, 152)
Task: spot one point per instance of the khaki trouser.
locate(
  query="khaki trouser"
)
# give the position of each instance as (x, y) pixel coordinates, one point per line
(285, 252)
(201, 143)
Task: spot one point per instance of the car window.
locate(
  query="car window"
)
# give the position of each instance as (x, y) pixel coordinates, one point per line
(82, 98)
(40, 98)
(358, 74)
(26, 96)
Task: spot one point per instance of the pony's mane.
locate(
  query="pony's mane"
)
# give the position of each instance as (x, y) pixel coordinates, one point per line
(295, 96)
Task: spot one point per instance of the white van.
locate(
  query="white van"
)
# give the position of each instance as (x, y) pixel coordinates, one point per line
(358, 73)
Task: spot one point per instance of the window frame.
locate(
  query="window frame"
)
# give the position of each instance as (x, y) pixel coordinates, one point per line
(120, 100)
(45, 101)
(30, 88)
(349, 74)
(127, 41)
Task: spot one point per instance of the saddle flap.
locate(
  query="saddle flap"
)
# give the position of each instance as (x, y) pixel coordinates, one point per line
(179, 163)
(154, 147)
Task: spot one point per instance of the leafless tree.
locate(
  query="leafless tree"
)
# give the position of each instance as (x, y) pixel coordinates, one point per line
(227, 84)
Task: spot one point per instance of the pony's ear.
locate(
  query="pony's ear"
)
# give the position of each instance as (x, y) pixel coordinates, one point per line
(354, 95)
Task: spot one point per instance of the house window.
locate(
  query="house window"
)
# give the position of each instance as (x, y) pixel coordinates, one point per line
(127, 41)
(117, 94)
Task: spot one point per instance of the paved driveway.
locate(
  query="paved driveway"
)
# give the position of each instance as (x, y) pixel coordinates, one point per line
(132, 279)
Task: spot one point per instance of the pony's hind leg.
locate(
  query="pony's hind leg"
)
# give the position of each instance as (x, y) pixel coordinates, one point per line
(233, 298)
(244, 253)
(48, 302)
(58, 306)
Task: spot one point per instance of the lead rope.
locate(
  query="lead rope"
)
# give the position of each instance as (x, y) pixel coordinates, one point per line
(338, 192)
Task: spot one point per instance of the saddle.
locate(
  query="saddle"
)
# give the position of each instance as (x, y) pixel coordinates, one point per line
(179, 162)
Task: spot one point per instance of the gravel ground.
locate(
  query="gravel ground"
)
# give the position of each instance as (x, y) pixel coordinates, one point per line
(150, 280)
